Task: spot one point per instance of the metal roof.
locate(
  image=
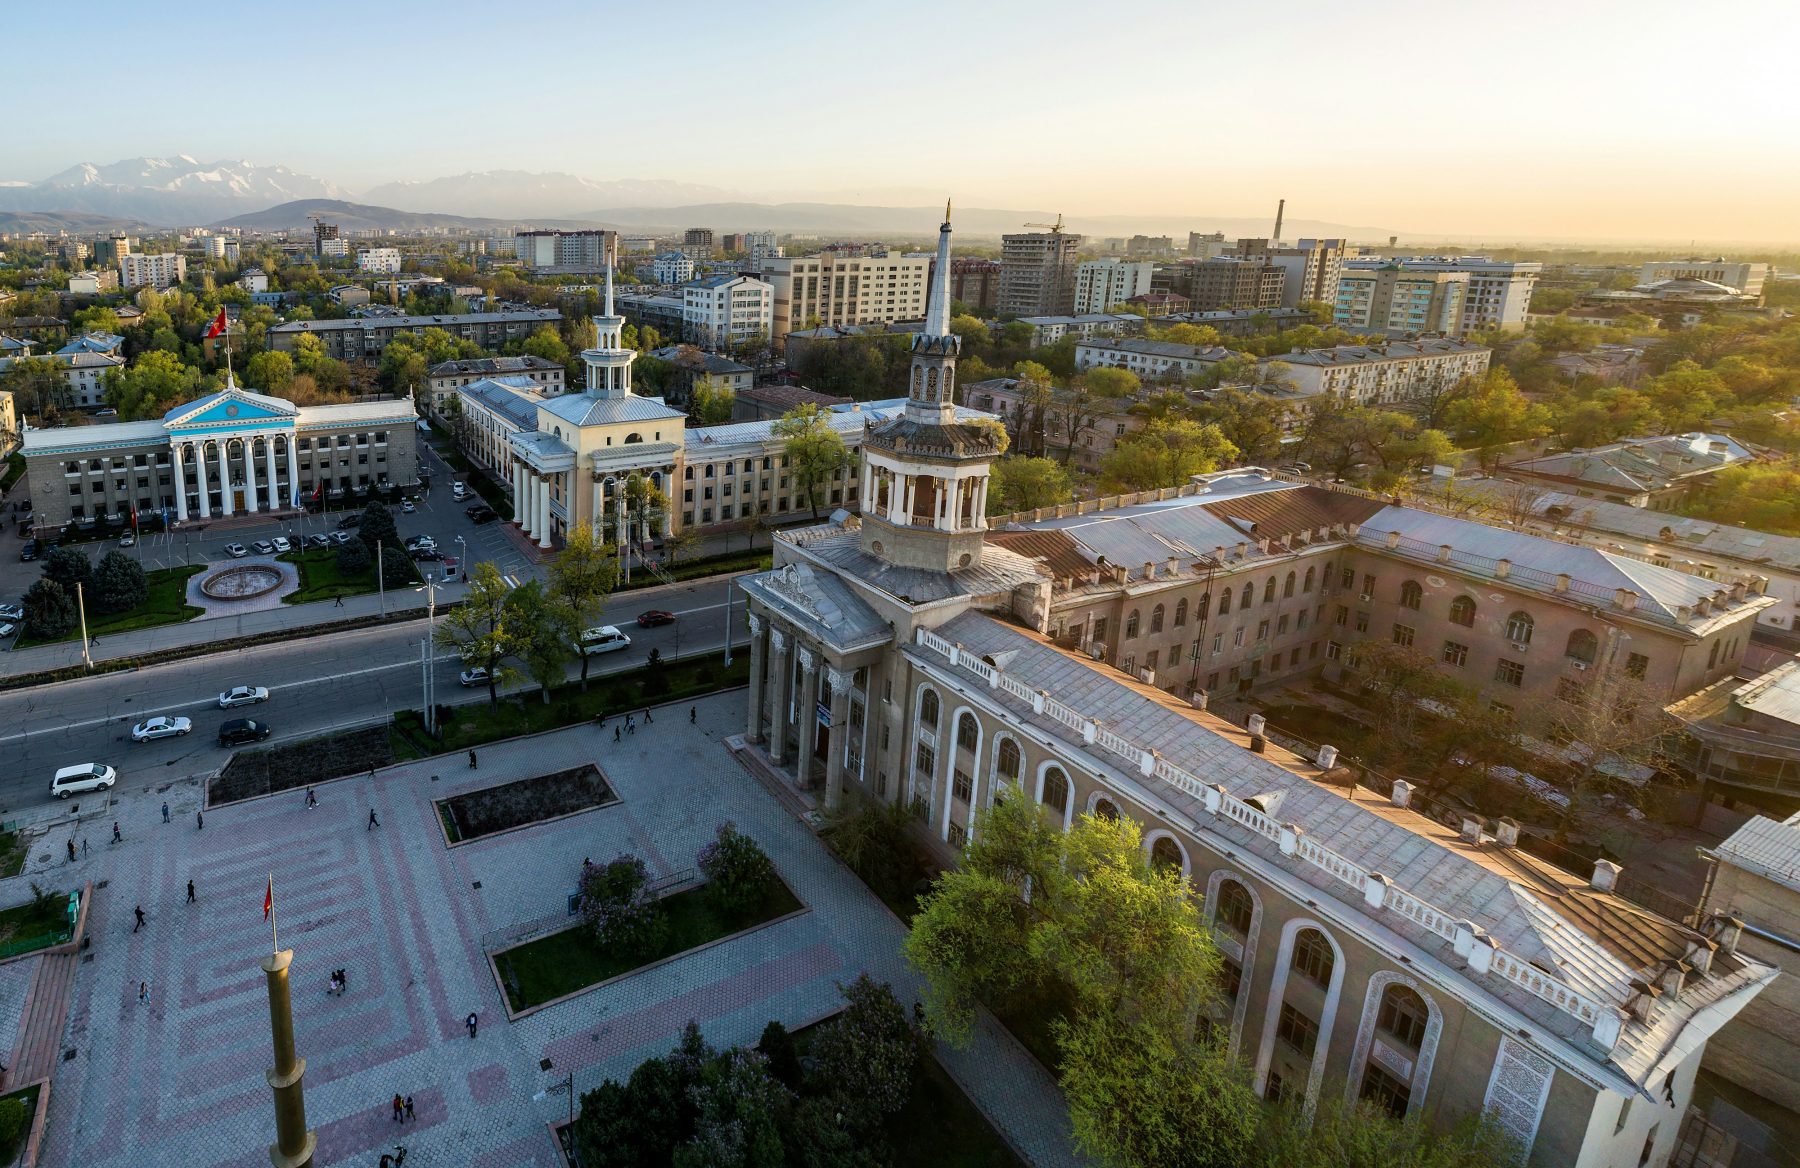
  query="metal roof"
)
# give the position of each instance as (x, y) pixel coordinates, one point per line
(587, 409)
(1767, 847)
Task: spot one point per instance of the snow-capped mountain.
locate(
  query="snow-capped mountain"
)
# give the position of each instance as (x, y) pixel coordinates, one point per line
(530, 194)
(172, 191)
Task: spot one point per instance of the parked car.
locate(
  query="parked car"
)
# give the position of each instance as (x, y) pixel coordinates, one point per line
(127, 539)
(407, 507)
(237, 731)
(28, 552)
(654, 617)
(108, 412)
(459, 491)
(481, 513)
(282, 544)
(604, 639)
(236, 551)
(263, 547)
(243, 695)
(353, 519)
(7, 629)
(473, 677)
(151, 729)
(421, 554)
(316, 540)
(12, 612)
(341, 537)
(86, 776)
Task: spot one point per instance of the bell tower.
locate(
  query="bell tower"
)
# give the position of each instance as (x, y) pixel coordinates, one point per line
(609, 361)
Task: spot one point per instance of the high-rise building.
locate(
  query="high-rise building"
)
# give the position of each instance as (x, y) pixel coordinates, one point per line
(761, 245)
(975, 281)
(1102, 284)
(844, 288)
(384, 260)
(1746, 278)
(724, 311)
(1037, 273)
(563, 251)
(1223, 282)
(697, 243)
(323, 231)
(1394, 300)
(1206, 246)
(158, 271)
(1310, 268)
(1499, 291)
(108, 250)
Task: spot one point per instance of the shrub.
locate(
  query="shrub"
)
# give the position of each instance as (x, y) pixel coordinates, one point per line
(49, 609)
(656, 675)
(119, 583)
(12, 1123)
(377, 527)
(738, 872)
(867, 1057)
(353, 558)
(617, 904)
(777, 1045)
(68, 567)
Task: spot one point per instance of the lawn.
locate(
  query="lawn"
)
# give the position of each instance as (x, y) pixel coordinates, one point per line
(166, 604)
(564, 962)
(13, 851)
(321, 580)
(34, 925)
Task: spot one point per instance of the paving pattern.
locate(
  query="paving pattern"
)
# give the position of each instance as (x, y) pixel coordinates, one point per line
(410, 919)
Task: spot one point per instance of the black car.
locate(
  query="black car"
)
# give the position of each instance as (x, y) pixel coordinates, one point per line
(353, 519)
(29, 552)
(420, 555)
(481, 513)
(237, 731)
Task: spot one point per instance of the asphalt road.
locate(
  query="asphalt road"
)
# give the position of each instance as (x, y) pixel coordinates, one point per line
(317, 684)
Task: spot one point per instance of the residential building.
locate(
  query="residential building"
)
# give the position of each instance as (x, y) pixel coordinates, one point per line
(212, 246)
(799, 341)
(1683, 300)
(108, 249)
(83, 371)
(1309, 269)
(1607, 364)
(230, 452)
(1498, 294)
(697, 243)
(1150, 245)
(542, 377)
(1047, 330)
(158, 271)
(907, 656)
(636, 243)
(1102, 285)
(234, 249)
(348, 295)
(383, 260)
(1655, 473)
(672, 267)
(761, 403)
(1401, 303)
(73, 251)
(324, 233)
(1150, 360)
(1037, 274)
(1392, 373)
(845, 289)
(1159, 304)
(111, 344)
(975, 282)
(94, 283)
(365, 338)
(732, 244)
(1206, 246)
(334, 248)
(761, 245)
(1080, 438)
(1242, 322)
(563, 251)
(689, 364)
(1224, 282)
(1746, 278)
(254, 281)
(9, 423)
(723, 312)
(664, 313)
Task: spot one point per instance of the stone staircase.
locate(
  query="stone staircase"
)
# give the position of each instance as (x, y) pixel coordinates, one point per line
(46, 1014)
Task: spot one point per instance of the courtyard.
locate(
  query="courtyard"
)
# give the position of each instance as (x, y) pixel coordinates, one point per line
(413, 922)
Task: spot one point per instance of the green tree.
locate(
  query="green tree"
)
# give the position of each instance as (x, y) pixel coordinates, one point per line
(1362, 1136)
(151, 386)
(68, 566)
(1249, 421)
(476, 630)
(1495, 415)
(739, 874)
(49, 608)
(581, 579)
(397, 568)
(547, 343)
(377, 527)
(539, 635)
(269, 371)
(815, 452)
(1024, 483)
(742, 1110)
(867, 1058)
(1037, 393)
(1110, 382)
(119, 583)
(712, 402)
(354, 559)
(1164, 454)
(38, 386)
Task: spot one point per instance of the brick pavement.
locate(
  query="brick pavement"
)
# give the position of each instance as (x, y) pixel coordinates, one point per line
(407, 917)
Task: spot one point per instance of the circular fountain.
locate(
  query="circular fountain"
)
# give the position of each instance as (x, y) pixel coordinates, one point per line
(242, 582)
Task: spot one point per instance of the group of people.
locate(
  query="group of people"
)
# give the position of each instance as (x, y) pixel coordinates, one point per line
(339, 983)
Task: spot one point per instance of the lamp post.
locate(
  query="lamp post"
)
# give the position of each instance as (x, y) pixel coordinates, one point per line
(463, 559)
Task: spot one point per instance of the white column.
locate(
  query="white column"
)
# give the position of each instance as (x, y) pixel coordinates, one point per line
(598, 513)
(200, 470)
(521, 496)
(224, 478)
(249, 477)
(981, 503)
(175, 449)
(668, 486)
(543, 513)
(293, 473)
(269, 462)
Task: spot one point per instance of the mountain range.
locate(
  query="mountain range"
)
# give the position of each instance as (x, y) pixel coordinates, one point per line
(167, 191)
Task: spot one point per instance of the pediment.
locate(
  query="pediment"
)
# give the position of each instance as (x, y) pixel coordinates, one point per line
(230, 407)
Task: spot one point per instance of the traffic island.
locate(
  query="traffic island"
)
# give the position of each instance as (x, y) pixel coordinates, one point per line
(522, 803)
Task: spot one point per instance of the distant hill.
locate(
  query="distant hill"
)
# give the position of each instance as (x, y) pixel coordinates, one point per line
(74, 222)
(363, 217)
(165, 191)
(534, 195)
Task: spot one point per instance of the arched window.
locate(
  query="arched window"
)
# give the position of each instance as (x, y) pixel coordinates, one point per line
(1181, 612)
(1462, 612)
(1313, 956)
(1287, 587)
(634, 436)
(1235, 909)
(1248, 596)
(1403, 1015)
(1583, 646)
(918, 380)
(1411, 595)
(928, 710)
(968, 731)
(1131, 624)
(1225, 602)
(1518, 628)
(1202, 605)
(1269, 591)
(1165, 854)
(1007, 762)
(1306, 586)
(1056, 791)
(1107, 810)
(1156, 619)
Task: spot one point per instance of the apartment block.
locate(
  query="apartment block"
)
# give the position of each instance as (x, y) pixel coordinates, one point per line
(365, 338)
(1400, 302)
(721, 312)
(1310, 268)
(1224, 282)
(1037, 274)
(156, 271)
(1386, 374)
(1101, 285)
(1498, 294)
(672, 267)
(841, 289)
(381, 260)
(563, 251)
(975, 282)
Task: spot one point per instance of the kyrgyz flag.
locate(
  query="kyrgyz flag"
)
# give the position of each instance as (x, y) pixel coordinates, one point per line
(217, 326)
(269, 897)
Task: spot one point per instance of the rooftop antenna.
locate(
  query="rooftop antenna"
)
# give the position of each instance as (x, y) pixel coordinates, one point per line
(1280, 214)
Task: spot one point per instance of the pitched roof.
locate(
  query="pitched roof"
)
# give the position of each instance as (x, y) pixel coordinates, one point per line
(489, 365)
(1767, 847)
(840, 549)
(587, 409)
(1640, 464)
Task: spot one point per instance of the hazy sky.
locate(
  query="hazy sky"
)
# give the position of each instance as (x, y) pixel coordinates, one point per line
(1533, 118)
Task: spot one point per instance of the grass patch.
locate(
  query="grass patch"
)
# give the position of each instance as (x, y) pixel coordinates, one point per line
(28, 1100)
(564, 962)
(15, 467)
(13, 851)
(37, 924)
(495, 809)
(299, 764)
(321, 580)
(166, 604)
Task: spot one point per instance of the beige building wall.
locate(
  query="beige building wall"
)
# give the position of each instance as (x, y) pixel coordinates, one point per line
(1759, 1050)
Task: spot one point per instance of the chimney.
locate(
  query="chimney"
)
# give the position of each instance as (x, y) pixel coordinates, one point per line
(1255, 724)
(1326, 758)
(1727, 931)
(1643, 998)
(1149, 570)
(1700, 954)
(1674, 975)
(1507, 832)
(1471, 830)
(1605, 877)
(1625, 599)
(1173, 566)
(1444, 551)
(1393, 539)
(1280, 214)
(1402, 793)
(1562, 581)
(1503, 569)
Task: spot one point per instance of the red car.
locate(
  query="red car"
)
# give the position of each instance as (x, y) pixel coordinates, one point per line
(654, 617)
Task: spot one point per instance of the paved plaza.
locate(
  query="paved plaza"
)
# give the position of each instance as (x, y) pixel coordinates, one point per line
(180, 1077)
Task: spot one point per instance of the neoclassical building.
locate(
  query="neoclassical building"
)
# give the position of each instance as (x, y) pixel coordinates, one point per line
(232, 452)
(1370, 951)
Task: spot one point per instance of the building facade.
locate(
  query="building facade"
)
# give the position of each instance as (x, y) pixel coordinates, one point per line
(365, 338)
(382, 260)
(672, 267)
(1037, 274)
(1102, 285)
(1386, 374)
(563, 251)
(545, 377)
(842, 289)
(1656, 473)
(1498, 295)
(1224, 282)
(1310, 268)
(723, 312)
(1744, 277)
(156, 271)
(975, 282)
(1401, 302)
(1150, 360)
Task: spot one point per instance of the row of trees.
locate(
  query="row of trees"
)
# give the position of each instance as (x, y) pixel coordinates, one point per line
(116, 584)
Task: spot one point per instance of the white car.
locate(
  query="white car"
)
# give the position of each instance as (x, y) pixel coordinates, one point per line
(236, 551)
(263, 547)
(12, 612)
(473, 677)
(243, 695)
(87, 776)
(127, 539)
(604, 639)
(407, 507)
(7, 629)
(282, 544)
(459, 492)
(421, 541)
(152, 729)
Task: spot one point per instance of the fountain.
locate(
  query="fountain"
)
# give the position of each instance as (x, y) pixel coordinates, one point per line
(242, 582)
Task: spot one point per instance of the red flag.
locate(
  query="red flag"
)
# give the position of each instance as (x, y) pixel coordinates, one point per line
(269, 897)
(217, 326)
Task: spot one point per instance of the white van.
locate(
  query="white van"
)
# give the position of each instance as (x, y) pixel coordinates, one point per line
(87, 776)
(604, 639)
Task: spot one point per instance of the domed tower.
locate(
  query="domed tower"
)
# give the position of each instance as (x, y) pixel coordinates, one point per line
(609, 361)
(925, 475)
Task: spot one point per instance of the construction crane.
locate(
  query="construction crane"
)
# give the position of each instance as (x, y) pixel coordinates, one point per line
(1055, 228)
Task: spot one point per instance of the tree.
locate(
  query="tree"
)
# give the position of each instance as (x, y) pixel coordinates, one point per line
(397, 568)
(815, 452)
(153, 385)
(354, 558)
(119, 583)
(68, 567)
(1250, 421)
(619, 907)
(476, 630)
(742, 1111)
(867, 1057)
(1337, 1135)
(269, 371)
(1036, 391)
(547, 344)
(582, 576)
(711, 402)
(637, 1123)
(1023, 483)
(377, 527)
(49, 608)
(539, 635)
(1164, 454)
(1107, 381)
(1494, 415)
(739, 874)
(39, 387)
(1610, 733)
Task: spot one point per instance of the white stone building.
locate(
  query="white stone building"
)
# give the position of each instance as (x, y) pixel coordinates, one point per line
(1102, 285)
(382, 260)
(1386, 374)
(721, 312)
(158, 271)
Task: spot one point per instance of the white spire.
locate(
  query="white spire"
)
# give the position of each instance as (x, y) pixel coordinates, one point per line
(937, 307)
(609, 271)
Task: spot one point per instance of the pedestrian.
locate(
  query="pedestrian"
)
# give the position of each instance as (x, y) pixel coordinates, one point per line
(631, 723)
(615, 733)
(399, 1155)
(472, 763)
(373, 822)
(337, 602)
(71, 849)
(647, 718)
(191, 892)
(371, 773)
(409, 1108)
(84, 847)
(387, 1161)
(143, 991)
(312, 800)
(399, 1107)
(600, 718)
(199, 821)
(139, 910)
(165, 811)
(471, 1020)
(693, 714)
(116, 836)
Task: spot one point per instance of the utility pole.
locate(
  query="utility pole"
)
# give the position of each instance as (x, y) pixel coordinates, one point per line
(380, 579)
(87, 660)
(730, 587)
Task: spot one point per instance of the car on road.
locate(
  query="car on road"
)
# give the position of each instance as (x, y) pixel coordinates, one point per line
(127, 539)
(459, 491)
(28, 552)
(481, 513)
(282, 543)
(86, 776)
(472, 677)
(151, 729)
(604, 639)
(413, 541)
(243, 695)
(12, 612)
(654, 617)
(7, 629)
(421, 554)
(237, 731)
(407, 507)
(263, 547)
(108, 412)
(236, 551)
(316, 540)
(354, 519)
(341, 537)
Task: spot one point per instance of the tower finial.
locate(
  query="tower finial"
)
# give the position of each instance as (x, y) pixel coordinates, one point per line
(946, 209)
(609, 274)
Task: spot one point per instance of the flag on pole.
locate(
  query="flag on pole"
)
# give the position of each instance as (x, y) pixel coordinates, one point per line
(269, 897)
(217, 326)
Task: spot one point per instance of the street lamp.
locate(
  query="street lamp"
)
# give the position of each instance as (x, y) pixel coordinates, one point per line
(463, 559)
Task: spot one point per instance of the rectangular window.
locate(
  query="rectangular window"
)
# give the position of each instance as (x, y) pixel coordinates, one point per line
(1297, 1030)
(1281, 626)
(1368, 585)
(1332, 649)
(1262, 631)
(1237, 638)
(958, 835)
(1343, 615)
(924, 761)
(1150, 661)
(1362, 622)
(1403, 634)
(963, 787)
(1509, 672)
(1455, 653)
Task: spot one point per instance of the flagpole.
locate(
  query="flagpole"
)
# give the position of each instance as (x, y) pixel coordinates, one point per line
(228, 379)
(274, 936)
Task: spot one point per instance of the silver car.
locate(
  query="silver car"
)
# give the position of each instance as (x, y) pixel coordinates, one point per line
(151, 729)
(243, 695)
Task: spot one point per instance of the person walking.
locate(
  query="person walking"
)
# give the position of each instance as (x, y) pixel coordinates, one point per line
(399, 1108)
(399, 1155)
(84, 847)
(165, 811)
(387, 1161)
(143, 991)
(693, 714)
(71, 849)
(631, 723)
(139, 910)
(471, 1022)
(473, 765)
(615, 733)
(373, 822)
(199, 821)
(371, 774)
(647, 718)
(312, 800)
(116, 836)
(191, 899)
(409, 1109)
(337, 602)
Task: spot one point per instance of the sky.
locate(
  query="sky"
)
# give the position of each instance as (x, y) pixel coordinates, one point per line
(1533, 119)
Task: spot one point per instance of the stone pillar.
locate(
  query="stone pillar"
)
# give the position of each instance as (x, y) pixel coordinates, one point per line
(521, 501)
(596, 518)
(806, 718)
(543, 497)
(269, 464)
(180, 479)
(837, 734)
(249, 477)
(527, 504)
(753, 732)
(224, 477)
(293, 473)
(784, 680)
(200, 472)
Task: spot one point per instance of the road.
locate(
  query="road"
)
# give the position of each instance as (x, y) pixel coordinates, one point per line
(316, 685)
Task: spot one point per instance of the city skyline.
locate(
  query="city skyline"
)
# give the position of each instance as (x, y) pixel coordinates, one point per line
(1571, 140)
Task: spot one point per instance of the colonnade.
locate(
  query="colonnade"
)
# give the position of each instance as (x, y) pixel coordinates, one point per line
(184, 451)
(777, 652)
